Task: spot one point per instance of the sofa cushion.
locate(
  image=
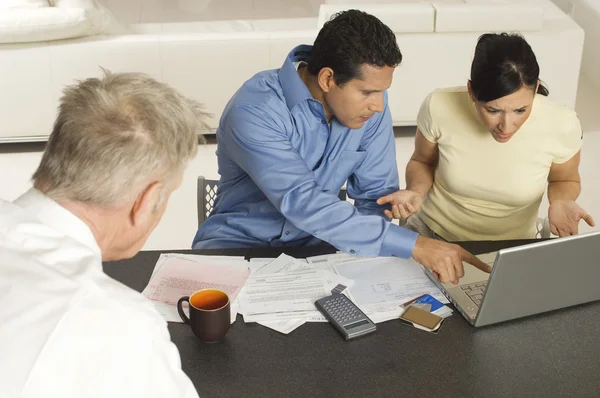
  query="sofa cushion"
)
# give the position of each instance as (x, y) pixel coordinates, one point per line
(4, 4)
(407, 17)
(98, 15)
(42, 24)
(62, 19)
(480, 16)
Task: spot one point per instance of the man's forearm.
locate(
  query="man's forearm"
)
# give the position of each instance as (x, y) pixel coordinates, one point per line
(419, 176)
(563, 190)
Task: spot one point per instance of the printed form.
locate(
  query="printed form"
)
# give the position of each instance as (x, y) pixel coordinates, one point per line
(177, 275)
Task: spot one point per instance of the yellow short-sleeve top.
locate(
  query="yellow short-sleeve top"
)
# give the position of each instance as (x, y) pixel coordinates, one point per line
(483, 189)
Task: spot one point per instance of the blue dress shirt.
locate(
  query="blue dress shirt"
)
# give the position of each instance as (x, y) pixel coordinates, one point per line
(282, 165)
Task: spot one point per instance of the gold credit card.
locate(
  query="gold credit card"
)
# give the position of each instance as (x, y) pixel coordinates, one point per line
(420, 317)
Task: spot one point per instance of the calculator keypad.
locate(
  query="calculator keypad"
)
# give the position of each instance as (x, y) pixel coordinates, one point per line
(342, 310)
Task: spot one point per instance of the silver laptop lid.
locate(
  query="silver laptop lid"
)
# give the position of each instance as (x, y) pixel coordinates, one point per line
(541, 277)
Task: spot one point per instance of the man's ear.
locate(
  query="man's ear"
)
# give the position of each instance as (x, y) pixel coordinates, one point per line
(325, 79)
(146, 203)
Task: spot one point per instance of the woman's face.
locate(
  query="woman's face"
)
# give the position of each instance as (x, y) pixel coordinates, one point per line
(505, 116)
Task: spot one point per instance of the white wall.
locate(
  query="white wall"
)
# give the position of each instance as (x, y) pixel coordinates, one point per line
(178, 226)
(586, 13)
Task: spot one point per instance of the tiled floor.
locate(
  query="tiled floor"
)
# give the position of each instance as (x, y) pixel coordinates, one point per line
(151, 11)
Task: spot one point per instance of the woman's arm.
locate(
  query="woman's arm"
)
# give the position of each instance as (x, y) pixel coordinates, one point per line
(419, 179)
(564, 186)
(422, 164)
(564, 182)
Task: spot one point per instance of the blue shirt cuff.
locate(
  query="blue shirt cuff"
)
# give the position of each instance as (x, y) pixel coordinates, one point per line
(398, 242)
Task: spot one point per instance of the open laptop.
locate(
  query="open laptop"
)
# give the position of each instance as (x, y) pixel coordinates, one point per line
(529, 279)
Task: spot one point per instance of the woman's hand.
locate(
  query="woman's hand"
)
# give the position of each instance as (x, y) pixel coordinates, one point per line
(564, 216)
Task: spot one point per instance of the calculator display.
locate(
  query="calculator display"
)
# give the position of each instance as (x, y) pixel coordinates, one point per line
(356, 324)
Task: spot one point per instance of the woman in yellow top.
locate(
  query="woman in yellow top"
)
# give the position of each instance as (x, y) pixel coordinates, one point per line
(485, 153)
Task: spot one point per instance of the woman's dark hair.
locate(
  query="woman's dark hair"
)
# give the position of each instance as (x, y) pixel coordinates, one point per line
(503, 63)
(349, 40)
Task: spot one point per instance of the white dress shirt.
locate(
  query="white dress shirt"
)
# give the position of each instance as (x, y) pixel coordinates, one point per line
(66, 328)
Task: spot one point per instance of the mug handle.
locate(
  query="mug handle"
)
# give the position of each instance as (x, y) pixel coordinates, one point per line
(180, 309)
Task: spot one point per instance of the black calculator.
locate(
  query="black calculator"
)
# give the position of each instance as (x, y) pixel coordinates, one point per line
(345, 316)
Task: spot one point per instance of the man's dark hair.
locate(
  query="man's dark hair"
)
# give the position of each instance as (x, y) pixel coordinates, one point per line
(350, 39)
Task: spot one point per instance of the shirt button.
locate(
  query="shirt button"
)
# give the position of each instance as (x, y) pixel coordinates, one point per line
(287, 232)
(352, 251)
(324, 121)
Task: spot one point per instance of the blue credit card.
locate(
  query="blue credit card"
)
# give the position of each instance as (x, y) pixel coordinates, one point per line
(428, 299)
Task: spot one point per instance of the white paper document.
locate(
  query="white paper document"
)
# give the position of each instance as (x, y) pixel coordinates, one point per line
(282, 296)
(387, 279)
(327, 261)
(285, 326)
(177, 275)
(283, 263)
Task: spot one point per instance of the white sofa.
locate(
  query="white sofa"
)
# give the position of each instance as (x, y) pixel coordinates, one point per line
(209, 60)
(586, 13)
(45, 20)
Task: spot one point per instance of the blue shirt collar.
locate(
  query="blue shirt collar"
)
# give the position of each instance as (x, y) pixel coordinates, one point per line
(294, 89)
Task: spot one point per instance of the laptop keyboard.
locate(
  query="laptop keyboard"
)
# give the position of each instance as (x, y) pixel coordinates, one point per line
(475, 291)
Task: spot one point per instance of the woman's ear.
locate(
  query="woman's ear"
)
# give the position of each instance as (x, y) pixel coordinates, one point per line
(470, 90)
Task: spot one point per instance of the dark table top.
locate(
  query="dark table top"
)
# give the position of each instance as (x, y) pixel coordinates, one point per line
(555, 354)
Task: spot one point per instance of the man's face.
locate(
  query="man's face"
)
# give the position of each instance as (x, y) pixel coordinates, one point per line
(359, 99)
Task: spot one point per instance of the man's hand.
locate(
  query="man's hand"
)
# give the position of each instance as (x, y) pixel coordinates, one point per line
(564, 216)
(445, 259)
(404, 203)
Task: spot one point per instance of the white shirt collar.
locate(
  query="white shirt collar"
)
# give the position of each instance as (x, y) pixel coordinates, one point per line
(54, 215)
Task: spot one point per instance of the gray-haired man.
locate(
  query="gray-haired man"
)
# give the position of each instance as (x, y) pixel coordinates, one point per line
(118, 149)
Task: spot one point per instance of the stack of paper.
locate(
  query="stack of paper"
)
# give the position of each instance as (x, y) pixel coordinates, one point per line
(381, 284)
(280, 294)
(178, 275)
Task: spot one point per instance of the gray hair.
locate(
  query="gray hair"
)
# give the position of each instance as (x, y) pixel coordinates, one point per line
(116, 134)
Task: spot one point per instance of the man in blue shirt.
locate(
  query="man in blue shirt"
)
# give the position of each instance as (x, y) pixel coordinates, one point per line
(290, 138)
